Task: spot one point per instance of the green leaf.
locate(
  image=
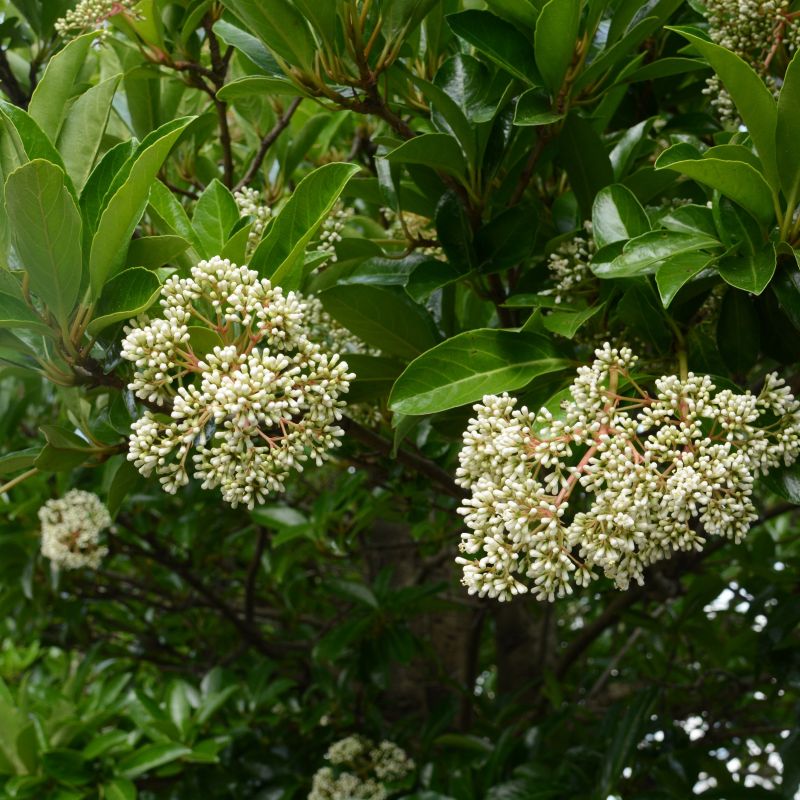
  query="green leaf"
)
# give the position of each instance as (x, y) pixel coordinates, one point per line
(280, 26)
(32, 138)
(152, 252)
(95, 191)
(50, 101)
(788, 124)
(214, 216)
(567, 323)
(753, 99)
(374, 376)
(149, 757)
(22, 459)
(466, 80)
(66, 766)
(676, 271)
(255, 85)
(735, 179)
(124, 210)
(120, 789)
(46, 231)
(83, 129)
(127, 294)
(738, 336)
(383, 317)
(15, 313)
(463, 369)
(617, 215)
(644, 254)
(750, 272)
(247, 44)
(584, 156)
(535, 108)
(554, 40)
(439, 151)
(498, 40)
(279, 256)
(690, 219)
(173, 214)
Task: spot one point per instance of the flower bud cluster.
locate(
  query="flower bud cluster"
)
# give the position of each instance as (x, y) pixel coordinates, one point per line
(360, 769)
(71, 527)
(249, 203)
(244, 386)
(622, 478)
(331, 231)
(91, 15)
(569, 266)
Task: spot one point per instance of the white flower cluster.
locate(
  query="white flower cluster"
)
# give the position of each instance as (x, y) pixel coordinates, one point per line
(241, 381)
(755, 30)
(360, 770)
(656, 473)
(71, 527)
(249, 203)
(91, 15)
(569, 265)
(331, 231)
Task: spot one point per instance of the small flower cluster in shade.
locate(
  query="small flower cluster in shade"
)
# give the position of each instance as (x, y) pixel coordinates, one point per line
(360, 770)
(757, 31)
(569, 266)
(248, 201)
(331, 230)
(414, 229)
(621, 479)
(245, 389)
(91, 15)
(71, 528)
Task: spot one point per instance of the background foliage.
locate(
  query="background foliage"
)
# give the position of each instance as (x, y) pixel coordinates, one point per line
(218, 652)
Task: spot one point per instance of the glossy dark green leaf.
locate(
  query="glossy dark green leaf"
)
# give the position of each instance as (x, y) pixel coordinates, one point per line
(466, 80)
(375, 376)
(750, 272)
(735, 179)
(383, 317)
(568, 323)
(498, 40)
(753, 100)
(463, 369)
(584, 156)
(690, 219)
(617, 215)
(676, 271)
(535, 108)
(644, 254)
(281, 27)
(46, 231)
(555, 40)
(439, 151)
(127, 294)
(403, 16)
(786, 132)
(738, 336)
(455, 233)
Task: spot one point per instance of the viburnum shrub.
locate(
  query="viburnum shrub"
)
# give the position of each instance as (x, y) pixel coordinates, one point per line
(329, 328)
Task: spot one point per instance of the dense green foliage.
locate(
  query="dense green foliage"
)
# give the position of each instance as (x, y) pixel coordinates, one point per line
(427, 170)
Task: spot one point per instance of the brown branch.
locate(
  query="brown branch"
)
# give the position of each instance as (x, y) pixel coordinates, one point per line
(413, 461)
(267, 142)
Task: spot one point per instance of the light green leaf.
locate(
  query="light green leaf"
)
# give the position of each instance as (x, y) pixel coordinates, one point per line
(750, 272)
(468, 366)
(440, 151)
(32, 138)
(247, 44)
(567, 323)
(753, 99)
(152, 252)
(617, 215)
(120, 789)
(214, 216)
(279, 256)
(50, 101)
(15, 313)
(555, 38)
(83, 129)
(383, 317)
(150, 757)
(46, 230)
(127, 294)
(124, 210)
